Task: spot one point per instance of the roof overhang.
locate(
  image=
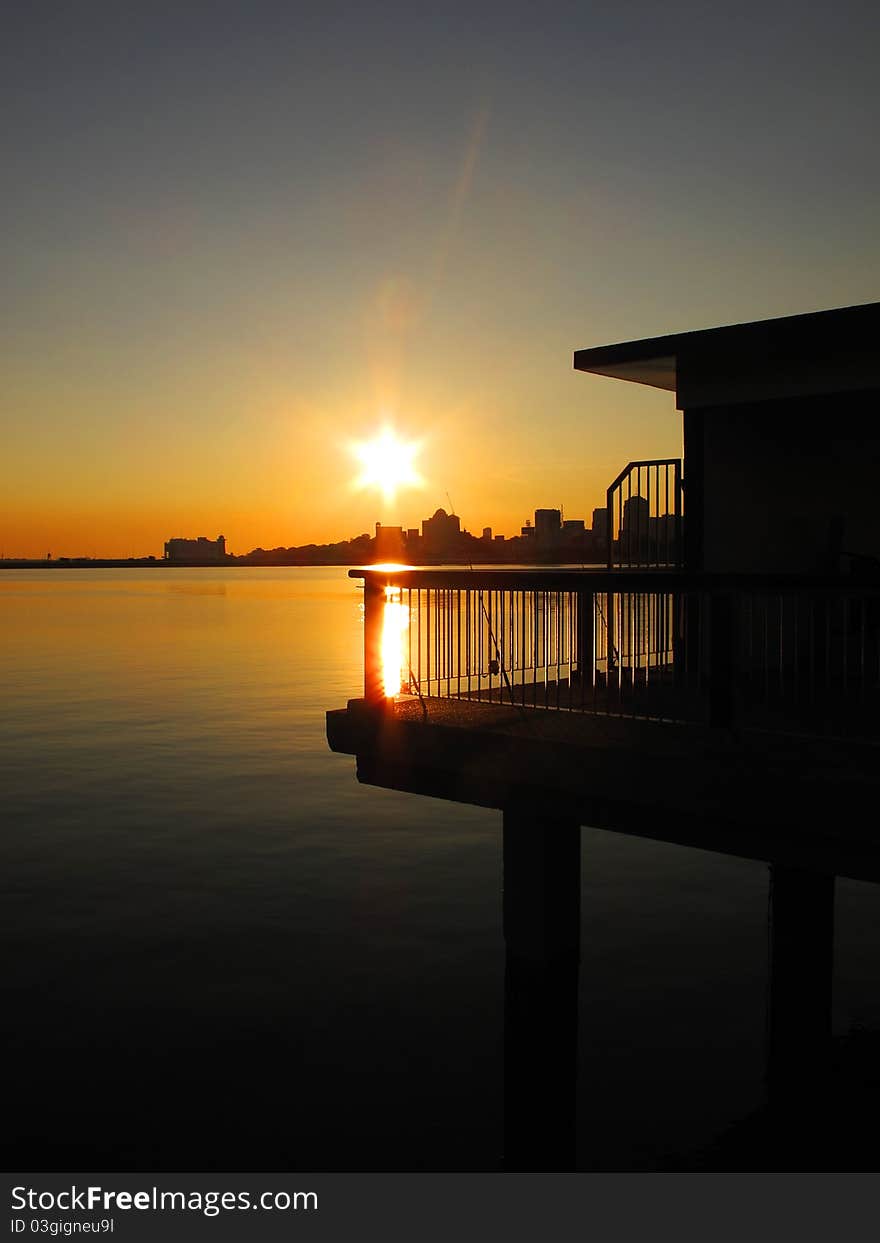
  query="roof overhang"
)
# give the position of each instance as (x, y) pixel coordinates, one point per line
(631, 361)
(823, 352)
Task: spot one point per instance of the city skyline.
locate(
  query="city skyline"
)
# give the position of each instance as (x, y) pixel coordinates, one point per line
(238, 241)
(221, 542)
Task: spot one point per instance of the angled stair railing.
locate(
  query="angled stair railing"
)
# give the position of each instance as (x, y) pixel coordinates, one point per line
(645, 516)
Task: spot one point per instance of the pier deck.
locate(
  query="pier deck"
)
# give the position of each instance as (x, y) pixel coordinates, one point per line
(759, 795)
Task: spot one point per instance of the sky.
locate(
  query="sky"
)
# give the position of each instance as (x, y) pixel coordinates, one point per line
(239, 238)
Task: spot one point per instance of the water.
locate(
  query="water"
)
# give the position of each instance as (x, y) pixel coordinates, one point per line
(224, 953)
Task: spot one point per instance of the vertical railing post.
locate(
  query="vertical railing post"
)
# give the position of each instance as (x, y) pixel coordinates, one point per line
(680, 665)
(585, 637)
(612, 652)
(609, 535)
(374, 618)
(609, 602)
(722, 658)
(679, 558)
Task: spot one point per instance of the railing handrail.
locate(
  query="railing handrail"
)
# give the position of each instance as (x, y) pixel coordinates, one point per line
(644, 551)
(602, 580)
(654, 461)
(779, 652)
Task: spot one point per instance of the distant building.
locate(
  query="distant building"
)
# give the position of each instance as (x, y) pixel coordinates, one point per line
(487, 533)
(196, 551)
(663, 533)
(636, 512)
(634, 535)
(600, 524)
(441, 533)
(572, 538)
(548, 523)
(389, 543)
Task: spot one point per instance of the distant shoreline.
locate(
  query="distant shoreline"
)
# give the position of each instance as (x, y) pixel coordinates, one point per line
(146, 563)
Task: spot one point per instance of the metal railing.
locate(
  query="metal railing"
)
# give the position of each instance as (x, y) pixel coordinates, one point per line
(644, 506)
(784, 654)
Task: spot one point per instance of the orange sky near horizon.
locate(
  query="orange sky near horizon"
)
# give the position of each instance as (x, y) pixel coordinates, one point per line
(297, 488)
(268, 469)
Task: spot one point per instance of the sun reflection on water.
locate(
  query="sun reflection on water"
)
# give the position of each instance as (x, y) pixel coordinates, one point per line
(395, 624)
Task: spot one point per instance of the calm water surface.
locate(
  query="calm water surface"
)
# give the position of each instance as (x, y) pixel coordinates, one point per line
(225, 953)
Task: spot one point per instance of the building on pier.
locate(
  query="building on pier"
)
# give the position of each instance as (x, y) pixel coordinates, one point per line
(717, 685)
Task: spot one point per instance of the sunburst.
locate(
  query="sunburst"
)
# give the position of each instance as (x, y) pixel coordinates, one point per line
(388, 464)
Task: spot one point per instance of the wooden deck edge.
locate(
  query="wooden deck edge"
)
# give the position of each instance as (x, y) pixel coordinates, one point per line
(723, 794)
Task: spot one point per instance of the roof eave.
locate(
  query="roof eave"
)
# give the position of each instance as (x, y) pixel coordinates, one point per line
(657, 370)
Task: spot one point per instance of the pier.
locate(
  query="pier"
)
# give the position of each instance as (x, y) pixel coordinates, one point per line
(716, 686)
(765, 751)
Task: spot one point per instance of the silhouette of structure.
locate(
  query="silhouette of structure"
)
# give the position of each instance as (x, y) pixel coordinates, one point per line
(390, 543)
(548, 525)
(778, 427)
(441, 533)
(718, 685)
(201, 551)
(443, 541)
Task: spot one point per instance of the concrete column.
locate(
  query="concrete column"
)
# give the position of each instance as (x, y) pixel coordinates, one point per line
(374, 620)
(801, 968)
(542, 937)
(585, 638)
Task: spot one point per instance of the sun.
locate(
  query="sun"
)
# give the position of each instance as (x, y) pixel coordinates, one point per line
(388, 464)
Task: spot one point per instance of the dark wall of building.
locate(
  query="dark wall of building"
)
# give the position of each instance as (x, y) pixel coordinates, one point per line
(783, 486)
